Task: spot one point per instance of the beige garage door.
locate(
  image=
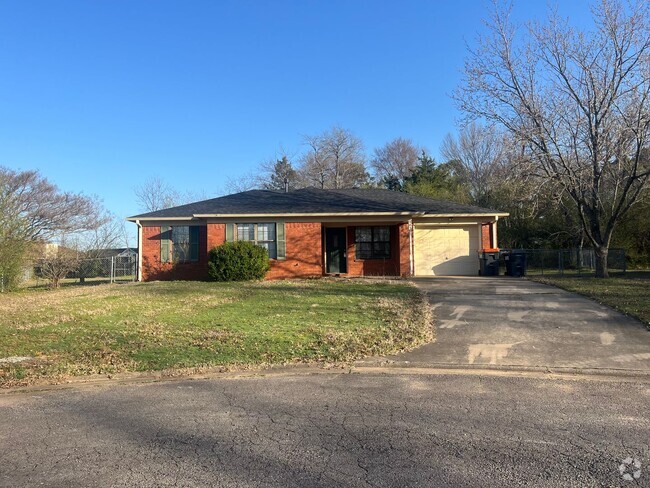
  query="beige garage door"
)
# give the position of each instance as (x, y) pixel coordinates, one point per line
(446, 251)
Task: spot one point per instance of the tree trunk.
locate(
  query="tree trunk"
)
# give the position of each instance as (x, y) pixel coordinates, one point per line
(601, 262)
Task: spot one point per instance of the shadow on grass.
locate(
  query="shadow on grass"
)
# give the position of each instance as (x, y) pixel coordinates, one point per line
(314, 288)
(67, 284)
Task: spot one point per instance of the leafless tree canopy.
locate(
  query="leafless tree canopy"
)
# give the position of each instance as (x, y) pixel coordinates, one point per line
(335, 159)
(35, 209)
(480, 154)
(396, 159)
(154, 194)
(57, 266)
(248, 181)
(578, 103)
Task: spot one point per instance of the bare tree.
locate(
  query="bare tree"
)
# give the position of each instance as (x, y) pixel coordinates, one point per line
(246, 182)
(154, 194)
(59, 263)
(334, 159)
(36, 209)
(315, 169)
(395, 161)
(480, 153)
(578, 101)
(105, 236)
(33, 210)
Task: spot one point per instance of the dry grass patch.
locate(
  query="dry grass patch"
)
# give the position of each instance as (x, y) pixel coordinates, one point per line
(109, 329)
(629, 293)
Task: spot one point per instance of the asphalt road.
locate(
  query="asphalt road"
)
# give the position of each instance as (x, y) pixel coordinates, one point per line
(368, 429)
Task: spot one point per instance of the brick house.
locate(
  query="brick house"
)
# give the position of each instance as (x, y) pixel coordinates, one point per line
(312, 232)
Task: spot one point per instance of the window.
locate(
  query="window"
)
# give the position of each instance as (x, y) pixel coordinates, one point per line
(245, 232)
(262, 234)
(372, 242)
(179, 244)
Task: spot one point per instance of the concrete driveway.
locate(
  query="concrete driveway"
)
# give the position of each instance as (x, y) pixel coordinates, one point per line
(511, 322)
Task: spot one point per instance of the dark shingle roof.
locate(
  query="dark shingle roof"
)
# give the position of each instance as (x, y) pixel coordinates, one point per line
(316, 201)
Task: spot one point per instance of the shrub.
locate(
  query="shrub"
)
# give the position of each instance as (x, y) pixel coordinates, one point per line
(13, 257)
(238, 261)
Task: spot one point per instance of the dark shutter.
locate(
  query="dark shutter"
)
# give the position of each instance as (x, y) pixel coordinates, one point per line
(194, 243)
(281, 242)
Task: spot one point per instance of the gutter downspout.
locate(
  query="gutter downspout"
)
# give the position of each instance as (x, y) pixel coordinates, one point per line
(137, 222)
(411, 264)
(494, 232)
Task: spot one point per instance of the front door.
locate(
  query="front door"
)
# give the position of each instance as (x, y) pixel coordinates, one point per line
(335, 252)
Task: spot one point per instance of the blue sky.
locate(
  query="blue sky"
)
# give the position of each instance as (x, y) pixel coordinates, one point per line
(100, 95)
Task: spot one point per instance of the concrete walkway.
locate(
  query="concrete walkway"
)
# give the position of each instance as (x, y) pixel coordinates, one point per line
(509, 322)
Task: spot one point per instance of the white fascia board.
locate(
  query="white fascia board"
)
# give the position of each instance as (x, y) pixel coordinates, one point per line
(290, 215)
(452, 215)
(133, 219)
(495, 215)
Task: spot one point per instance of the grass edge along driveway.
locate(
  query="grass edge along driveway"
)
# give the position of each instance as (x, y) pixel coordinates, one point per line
(172, 326)
(629, 294)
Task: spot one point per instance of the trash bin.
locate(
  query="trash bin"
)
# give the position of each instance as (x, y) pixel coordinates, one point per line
(489, 262)
(515, 263)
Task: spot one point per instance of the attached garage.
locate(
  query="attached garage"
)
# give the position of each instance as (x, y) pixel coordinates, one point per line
(446, 250)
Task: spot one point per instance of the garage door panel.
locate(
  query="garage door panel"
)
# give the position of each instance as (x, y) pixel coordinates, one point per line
(446, 251)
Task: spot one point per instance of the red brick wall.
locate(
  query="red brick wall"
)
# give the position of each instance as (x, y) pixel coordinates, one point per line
(486, 236)
(404, 250)
(375, 267)
(153, 269)
(216, 235)
(304, 252)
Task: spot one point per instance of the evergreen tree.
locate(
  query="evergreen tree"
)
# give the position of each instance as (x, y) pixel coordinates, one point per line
(438, 181)
(282, 171)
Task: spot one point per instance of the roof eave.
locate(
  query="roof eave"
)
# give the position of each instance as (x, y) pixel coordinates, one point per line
(481, 214)
(136, 218)
(308, 214)
(321, 214)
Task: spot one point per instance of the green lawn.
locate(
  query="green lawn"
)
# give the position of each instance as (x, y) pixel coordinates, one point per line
(104, 329)
(629, 293)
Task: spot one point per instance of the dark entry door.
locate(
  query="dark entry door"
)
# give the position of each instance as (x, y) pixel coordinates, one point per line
(335, 250)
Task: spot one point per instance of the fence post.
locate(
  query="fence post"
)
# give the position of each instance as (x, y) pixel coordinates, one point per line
(112, 278)
(579, 260)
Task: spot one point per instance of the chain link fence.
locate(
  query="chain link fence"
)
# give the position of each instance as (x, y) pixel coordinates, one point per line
(561, 262)
(109, 269)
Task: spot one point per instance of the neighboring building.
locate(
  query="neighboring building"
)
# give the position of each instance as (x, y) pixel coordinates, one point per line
(313, 232)
(116, 252)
